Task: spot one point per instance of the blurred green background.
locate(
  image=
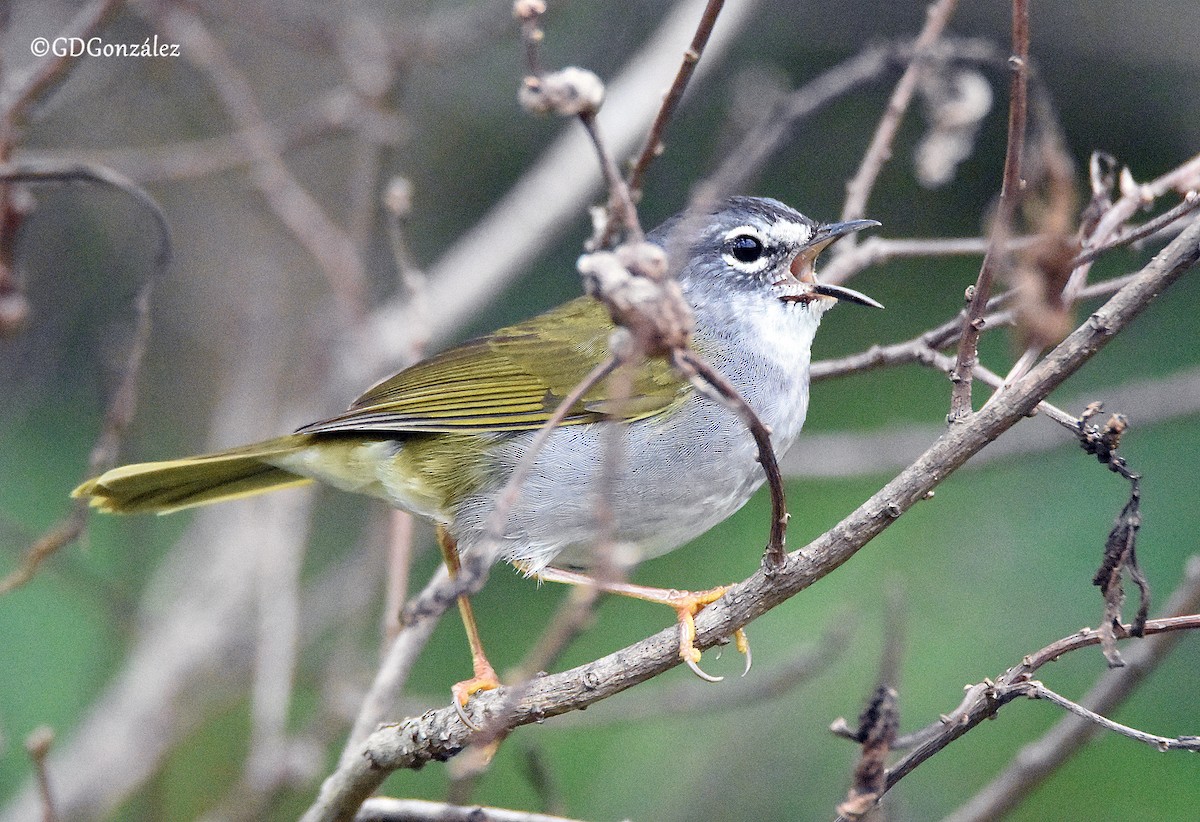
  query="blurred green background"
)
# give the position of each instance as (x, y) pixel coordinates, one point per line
(244, 323)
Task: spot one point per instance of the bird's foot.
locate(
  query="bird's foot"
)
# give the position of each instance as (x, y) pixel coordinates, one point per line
(485, 679)
(686, 605)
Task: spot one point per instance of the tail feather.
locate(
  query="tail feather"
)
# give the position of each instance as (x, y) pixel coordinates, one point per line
(165, 487)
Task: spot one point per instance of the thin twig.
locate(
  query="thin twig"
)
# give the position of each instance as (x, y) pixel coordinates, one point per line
(937, 17)
(917, 349)
(1039, 759)
(653, 146)
(985, 699)
(497, 521)
(622, 206)
(1037, 690)
(1134, 197)
(1010, 192)
(1190, 203)
(705, 377)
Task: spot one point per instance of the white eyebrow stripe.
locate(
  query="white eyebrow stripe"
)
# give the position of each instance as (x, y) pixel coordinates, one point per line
(746, 229)
(791, 233)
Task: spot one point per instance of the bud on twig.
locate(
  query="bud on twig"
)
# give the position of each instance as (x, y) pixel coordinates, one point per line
(632, 283)
(568, 92)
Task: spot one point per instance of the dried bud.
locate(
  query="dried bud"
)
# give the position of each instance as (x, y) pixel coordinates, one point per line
(568, 92)
(955, 104)
(398, 197)
(632, 283)
(528, 9)
(644, 260)
(14, 312)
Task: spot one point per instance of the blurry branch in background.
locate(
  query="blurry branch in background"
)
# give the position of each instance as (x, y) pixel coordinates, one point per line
(385, 809)
(397, 208)
(325, 240)
(37, 745)
(858, 190)
(121, 407)
(24, 90)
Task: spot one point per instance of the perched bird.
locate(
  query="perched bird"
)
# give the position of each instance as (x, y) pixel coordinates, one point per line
(442, 438)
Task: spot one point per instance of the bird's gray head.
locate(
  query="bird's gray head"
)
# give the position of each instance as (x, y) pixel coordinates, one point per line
(756, 246)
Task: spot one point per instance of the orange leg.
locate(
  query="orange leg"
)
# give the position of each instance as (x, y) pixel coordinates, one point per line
(485, 676)
(686, 605)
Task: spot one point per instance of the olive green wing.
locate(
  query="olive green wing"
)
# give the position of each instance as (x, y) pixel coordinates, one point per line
(511, 380)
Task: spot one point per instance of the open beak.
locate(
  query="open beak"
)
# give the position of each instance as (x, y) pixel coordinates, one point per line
(802, 268)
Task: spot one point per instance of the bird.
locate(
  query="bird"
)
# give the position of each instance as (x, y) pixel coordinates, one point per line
(441, 438)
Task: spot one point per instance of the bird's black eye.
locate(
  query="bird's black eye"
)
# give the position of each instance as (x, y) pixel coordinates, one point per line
(745, 248)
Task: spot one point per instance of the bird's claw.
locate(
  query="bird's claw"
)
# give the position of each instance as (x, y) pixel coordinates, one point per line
(687, 634)
(693, 663)
(485, 679)
(743, 645)
(460, 708)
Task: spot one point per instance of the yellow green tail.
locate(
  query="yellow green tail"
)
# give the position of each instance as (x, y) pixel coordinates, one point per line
(165, 487)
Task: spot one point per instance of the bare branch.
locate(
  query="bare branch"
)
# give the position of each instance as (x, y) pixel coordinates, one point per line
(1039, 759)
(1010, 192)
(984, 700)
(653, 146)
(121, 406)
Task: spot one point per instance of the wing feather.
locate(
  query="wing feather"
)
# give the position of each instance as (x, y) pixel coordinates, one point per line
(510, 380)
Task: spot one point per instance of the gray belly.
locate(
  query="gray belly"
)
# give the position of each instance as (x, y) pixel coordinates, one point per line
(671, 478)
